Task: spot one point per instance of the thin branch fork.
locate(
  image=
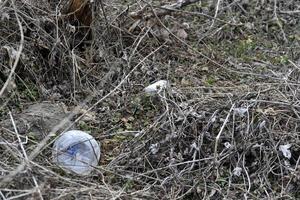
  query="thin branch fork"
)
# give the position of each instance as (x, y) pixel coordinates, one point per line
(37, 187)
(221, 131)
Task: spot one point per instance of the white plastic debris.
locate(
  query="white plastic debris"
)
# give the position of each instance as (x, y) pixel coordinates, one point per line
(237, 171)
(240, 111)
(154, 148)
(227, 145)
(285, 149)
(76, 151)
(156, 87)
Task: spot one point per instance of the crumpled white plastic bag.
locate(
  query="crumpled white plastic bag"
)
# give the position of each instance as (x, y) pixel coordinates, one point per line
(285, 149)
(156, 87)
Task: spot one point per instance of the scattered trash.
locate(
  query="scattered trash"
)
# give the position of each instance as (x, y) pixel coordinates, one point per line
(237, 171)
(76, 151)
(156, 87)
(227, 145)
(285, 150)
(240, 111)
(154, 148)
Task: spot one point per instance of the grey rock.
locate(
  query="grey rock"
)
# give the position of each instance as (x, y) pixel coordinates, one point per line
(38, 119)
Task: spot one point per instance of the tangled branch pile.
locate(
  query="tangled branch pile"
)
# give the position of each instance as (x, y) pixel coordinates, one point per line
(227, 127)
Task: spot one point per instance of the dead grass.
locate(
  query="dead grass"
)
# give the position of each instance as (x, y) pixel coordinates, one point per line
(215, 134)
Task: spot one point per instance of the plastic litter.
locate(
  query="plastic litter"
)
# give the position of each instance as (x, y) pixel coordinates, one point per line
(285, 149)
(237, 171)
(76, 151)
(156, 87)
